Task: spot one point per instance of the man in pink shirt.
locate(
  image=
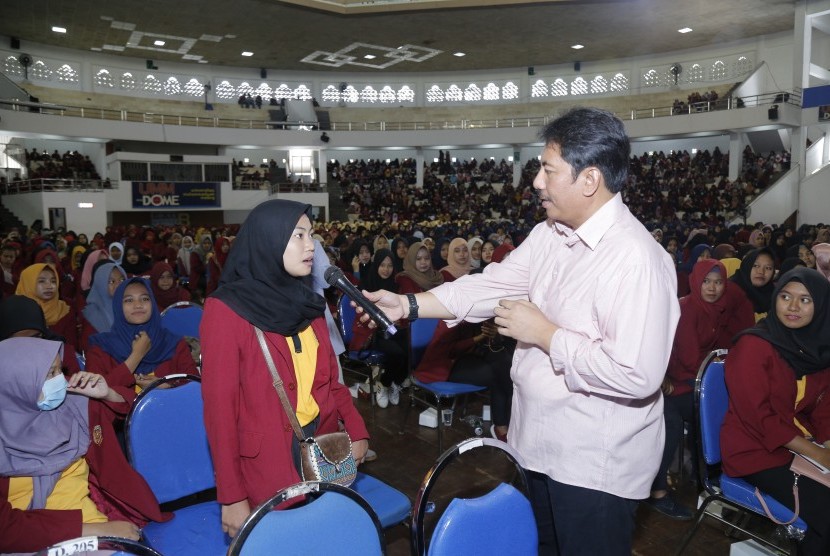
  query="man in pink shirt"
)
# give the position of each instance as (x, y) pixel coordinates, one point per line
(591, 299)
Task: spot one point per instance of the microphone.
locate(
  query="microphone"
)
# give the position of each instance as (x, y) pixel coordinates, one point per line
(335, 277)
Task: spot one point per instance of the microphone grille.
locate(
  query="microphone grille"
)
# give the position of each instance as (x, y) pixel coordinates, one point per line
(332, 274)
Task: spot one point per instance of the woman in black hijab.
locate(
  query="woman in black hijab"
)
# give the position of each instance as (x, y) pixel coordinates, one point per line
(778, 377)
(754, 277)
(254, 450)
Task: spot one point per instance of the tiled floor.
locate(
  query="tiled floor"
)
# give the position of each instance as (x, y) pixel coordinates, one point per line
(404, 459)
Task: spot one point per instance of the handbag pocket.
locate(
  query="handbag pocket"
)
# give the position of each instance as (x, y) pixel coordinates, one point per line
(328, 458)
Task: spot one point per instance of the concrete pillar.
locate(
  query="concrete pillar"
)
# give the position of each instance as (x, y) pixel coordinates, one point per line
(517, 164)
(419, 167)
(737, 143)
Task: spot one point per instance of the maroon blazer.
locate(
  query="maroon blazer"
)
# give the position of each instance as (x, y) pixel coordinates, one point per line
(762, 406)
(248, 431)
(119, 376)
(446, 346)
(67, 327)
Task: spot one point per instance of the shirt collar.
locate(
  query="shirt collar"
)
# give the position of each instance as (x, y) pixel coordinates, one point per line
(592, 230)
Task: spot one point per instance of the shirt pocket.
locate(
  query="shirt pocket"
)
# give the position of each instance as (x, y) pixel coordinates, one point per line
(250, 444)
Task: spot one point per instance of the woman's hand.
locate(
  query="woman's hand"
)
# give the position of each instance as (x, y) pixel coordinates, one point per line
(667, 387)
(234, 515)
(141, 345)
(359, 449)
(93, 386)
(355, 264)
(145, 380)
(123, 529)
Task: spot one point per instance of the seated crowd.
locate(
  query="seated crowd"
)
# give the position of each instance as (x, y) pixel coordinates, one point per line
(69, 165)
(758, 289)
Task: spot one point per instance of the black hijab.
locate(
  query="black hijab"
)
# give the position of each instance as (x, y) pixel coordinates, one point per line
(807, 349)
(18, 312)
(254, 281)
(373, 281)
(761, 298)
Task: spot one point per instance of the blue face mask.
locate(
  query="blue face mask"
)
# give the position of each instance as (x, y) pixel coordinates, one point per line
(54, 392)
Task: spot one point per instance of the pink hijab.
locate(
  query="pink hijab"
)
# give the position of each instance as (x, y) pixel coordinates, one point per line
(453, 267)
(86, 274)
(822, 253)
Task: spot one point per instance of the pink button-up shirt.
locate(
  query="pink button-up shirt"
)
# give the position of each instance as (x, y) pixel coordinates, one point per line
(590, 413)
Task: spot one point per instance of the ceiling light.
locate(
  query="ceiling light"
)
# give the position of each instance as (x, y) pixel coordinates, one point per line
(578, 46)
(459, 54)
(685, 30)
(59, 29)
(246, 53)
(158, 43)
(370, 56)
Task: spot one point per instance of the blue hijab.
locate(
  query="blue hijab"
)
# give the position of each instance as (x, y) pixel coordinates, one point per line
(118, 342)
(98, 310)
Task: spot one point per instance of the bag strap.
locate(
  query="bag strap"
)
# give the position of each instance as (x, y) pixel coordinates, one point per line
(766, 508)
(277, 382)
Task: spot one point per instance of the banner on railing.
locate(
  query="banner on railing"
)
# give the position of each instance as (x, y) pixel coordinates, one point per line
(167, 195)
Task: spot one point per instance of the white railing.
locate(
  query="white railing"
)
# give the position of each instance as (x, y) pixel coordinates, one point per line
(730, 103)
(37, 185)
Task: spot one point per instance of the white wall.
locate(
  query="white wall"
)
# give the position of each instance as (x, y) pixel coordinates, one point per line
(814, 200)
(778, 202)
(33, 206)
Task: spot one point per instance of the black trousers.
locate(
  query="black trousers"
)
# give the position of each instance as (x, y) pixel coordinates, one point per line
(575, 521)
(492, 372)
(676, 411)
(814, 501)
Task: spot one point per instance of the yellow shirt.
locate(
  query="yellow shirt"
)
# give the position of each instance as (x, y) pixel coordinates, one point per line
(305, 367)
(801, 389)
(71, 492)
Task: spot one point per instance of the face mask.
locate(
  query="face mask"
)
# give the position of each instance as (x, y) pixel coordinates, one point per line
(54, 392)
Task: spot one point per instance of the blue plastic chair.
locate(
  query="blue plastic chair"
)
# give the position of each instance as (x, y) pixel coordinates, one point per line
(350, 524)
(167, 444)
(109, 546)
(420, 335)
(711, 403)
(499, 522)
(358, 362)
(183, 318)
(391, 505)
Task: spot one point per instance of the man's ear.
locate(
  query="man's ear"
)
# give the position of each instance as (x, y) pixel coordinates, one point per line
(592, 181)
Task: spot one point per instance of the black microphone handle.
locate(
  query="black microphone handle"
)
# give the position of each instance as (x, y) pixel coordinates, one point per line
(368, 307)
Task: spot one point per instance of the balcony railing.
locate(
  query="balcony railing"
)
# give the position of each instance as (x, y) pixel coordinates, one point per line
(38, 185)
(730, 103)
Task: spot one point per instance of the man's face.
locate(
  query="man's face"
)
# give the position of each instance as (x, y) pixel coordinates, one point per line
(560, 194)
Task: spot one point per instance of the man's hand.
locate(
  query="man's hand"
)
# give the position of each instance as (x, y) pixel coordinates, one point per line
(523, 321)
(390, 303)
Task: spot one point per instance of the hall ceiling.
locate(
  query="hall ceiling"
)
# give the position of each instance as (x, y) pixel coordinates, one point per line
(401, 35)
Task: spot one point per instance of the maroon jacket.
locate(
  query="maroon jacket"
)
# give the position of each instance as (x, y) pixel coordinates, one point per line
(762, 406)
(119, 376)
(248, 431)
(446, 346)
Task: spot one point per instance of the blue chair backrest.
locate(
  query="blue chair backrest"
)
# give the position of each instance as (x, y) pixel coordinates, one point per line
(183, 319)
(500, 522)
(352, 527)
(347, 316)
(421, 332)
(713, 403)
(166, 440)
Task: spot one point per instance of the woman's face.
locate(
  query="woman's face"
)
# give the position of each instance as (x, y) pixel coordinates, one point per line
(807, 256)
(299, 252)
(475, 252)
(226, 246)
(762, 271)
(176, 241)
(385, 268)
(487, 252)
(794, 305)
(187, 243)
(445, 250)
(132, 256)
(207, 244)
(423, 262)
(671, 246)
(712, 288)
(46, 287)
(382, 243)
(115, 253)
(461, 254)
(760, 240)
(114, 281)
(364, 255)
(704, 256)
(165, 281)
(76, 259)
(136, 303)
(401, 250)
(82, 239)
